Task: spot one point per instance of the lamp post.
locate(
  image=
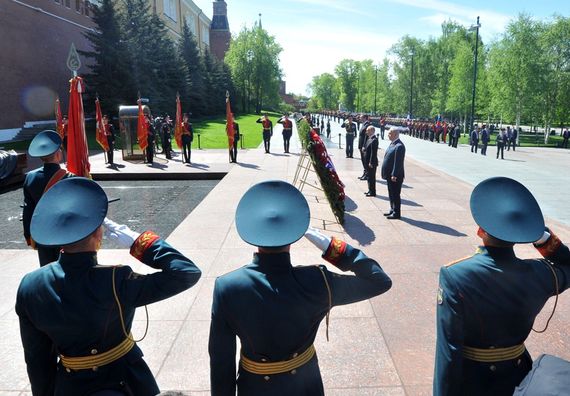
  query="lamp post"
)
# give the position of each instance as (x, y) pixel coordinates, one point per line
(249, 56)
(375, 86)
(412, 84)
(476, 29)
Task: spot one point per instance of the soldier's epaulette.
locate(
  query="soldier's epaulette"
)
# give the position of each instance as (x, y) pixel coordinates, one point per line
(458, 261)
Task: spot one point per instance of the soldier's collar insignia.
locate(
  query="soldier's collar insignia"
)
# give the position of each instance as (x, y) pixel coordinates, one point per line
(439, 295)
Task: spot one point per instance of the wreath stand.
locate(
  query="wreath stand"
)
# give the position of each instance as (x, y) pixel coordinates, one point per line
(305, 166)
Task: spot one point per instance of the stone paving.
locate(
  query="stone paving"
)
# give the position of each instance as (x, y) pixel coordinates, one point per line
(384, 346)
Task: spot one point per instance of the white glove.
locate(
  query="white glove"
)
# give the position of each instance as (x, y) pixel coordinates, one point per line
(316, 238)
(543, 239)
(120, 233)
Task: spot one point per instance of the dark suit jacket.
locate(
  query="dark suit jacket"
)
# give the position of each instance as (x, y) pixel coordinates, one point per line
(371, 153)
(393, 164)
(362, 137)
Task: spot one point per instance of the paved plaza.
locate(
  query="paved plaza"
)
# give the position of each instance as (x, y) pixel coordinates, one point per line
(384, 346)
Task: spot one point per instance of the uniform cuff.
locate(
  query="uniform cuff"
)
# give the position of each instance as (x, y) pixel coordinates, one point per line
(335, 251)
(548, 248)
(142, 243)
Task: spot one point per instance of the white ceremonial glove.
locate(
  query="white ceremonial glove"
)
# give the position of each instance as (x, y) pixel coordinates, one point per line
(120, 233)
(316, 238)
(543, 239)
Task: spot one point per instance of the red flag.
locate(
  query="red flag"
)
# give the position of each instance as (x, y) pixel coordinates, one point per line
(178, 123)
(58, 119)
(229, 122)
(142, 132)
(100, 134)
(77, 152)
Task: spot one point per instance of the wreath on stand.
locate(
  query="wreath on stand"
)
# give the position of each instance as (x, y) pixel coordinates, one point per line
(324, 167)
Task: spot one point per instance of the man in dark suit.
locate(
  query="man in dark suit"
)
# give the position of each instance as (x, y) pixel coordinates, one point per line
(362, 136)
(370, 155)
(487, 303)
(47, 146)
(275, 308)
(485, 138)
(393, 171)
(474, 139)
(76, 315)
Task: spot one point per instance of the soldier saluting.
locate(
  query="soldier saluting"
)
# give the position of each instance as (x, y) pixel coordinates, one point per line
(287, 131)
(76, 315)
(267, 131)
(275, 308)
(487, 303)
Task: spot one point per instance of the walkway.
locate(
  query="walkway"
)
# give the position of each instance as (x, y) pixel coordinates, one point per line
(384, 346)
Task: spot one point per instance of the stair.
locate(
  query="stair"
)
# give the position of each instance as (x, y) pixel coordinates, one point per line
(29, 131)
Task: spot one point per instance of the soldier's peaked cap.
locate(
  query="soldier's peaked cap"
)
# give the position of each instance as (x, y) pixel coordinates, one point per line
(272, 214)
(44, 143)
(68, 212)
(507, 210)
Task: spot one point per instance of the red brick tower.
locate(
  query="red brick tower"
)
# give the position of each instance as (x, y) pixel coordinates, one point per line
(220, 30)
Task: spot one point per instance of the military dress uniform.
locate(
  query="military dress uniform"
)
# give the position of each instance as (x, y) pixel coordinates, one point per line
(36, 183)
(275, 308)
(287, 132)
(70, 322)
(267, 132)
(350, 128)
(187, 138)
(110, 135)
(487, 303)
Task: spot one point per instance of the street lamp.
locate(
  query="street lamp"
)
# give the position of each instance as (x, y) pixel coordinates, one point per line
(249, 57)
(375, 86)
(476, 29)
(412, 84)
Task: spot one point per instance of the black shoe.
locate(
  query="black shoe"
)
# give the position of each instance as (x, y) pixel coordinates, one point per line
(393, 216)
(389, 213)
(370, 194)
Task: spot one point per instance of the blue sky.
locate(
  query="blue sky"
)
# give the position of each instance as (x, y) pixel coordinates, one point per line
(317, 34)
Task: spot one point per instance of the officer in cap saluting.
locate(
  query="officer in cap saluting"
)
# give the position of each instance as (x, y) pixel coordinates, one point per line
(487, 303)
(47, 146)
(275, 308)
(75, 315)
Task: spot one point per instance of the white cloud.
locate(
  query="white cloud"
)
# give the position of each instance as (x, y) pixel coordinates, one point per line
(339, 5)
(492, 22)
(310, 52)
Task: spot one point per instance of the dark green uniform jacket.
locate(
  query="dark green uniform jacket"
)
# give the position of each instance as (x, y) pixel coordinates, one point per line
(487, 301)
(34, 186)
(68, 308)
(275, 309)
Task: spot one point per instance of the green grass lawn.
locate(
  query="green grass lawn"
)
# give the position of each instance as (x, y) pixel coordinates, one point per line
(212, 133)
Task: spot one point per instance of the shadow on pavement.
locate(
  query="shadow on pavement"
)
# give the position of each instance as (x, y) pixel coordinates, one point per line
(157, 166)
(357, 230)
(439, 228)
(349, 204)
(198, 165)
(246, 165)
(404, 201)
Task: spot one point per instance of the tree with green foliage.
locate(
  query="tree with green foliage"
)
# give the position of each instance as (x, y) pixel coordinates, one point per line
(347, 78)
(193, 72)
(325, 92)
(253, 58)
(110, 71)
